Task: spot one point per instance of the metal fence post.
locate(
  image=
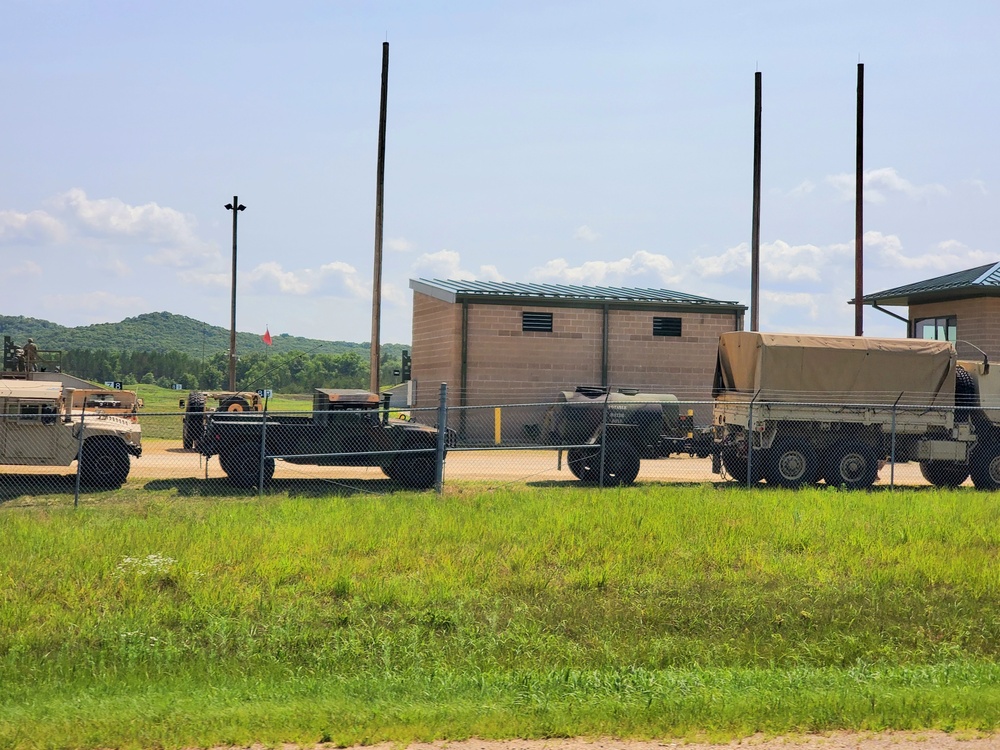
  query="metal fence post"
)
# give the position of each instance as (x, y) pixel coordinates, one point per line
(79, 453)
(750, 481)
(892, 446)
(263, 451)
(604, 435)
(441, 438)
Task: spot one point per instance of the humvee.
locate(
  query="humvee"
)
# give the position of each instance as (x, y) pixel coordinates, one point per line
(40, 427)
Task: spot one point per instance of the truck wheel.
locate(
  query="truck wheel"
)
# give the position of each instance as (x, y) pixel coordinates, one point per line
(105, 464)
(985, 462)
(584, 463)
(734, 461)
(416, 471)
(944, 473)
(791, 462)
(242, 465)
(234, 404)
(621, 464)
(194, 419)
(852, 465)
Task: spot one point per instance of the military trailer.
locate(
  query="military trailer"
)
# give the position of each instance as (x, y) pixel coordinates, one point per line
(198, 403)
(39, 427)
(345, 428)
(632, 426)
(796, 409)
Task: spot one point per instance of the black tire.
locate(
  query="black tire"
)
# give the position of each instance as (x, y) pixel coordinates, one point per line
(234, 404)
(734, 461)
(194, 419)
(417, 471)
(584, 463)
(944, 473)
(852, 465)
(621, 464)
(105, 463)
(241, 463)
(791, 462)
(985, 462)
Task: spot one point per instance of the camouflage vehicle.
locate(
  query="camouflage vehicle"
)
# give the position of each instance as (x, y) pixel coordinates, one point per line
(632, 426)
(345, 428)
(39, 427)
(797, 409)
(198, 404)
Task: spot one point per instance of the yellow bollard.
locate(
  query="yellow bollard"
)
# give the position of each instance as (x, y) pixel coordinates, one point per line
(496, 425)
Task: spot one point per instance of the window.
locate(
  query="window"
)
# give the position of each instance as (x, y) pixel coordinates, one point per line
(535, 321)
(936, 329)
(666, 326)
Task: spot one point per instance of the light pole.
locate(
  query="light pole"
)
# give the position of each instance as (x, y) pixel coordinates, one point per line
(235, 207)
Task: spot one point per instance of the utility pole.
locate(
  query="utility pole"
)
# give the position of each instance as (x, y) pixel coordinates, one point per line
(379, 185)
(235, 207)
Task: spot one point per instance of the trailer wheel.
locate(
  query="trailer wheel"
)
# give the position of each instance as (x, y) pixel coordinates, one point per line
(621, 464)
(194, 419)
(242, 465)
(584, 463)
(986, 467)
(234, 404)
(852, 465)
(944, 473)
(791, 462)
(416, 471)
(105, 463)
(734, 461)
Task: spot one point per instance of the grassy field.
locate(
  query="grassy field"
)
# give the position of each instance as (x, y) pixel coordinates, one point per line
(145, 619)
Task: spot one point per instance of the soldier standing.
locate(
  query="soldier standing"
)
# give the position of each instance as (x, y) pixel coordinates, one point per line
(30, 355)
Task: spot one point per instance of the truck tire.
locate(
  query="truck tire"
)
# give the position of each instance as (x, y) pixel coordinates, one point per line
(734, 461)
(584, 463)
(944, 473)
(105, 463)
(985, 461)
(241, 463)
(621, 464)
(194, 419)
(791, 462)
(417, 471)
(234, 404)
(852, 465)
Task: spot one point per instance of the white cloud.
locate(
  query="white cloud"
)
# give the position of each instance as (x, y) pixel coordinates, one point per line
(331, 279)
(32, 228)
(810, 303)
(949, 256)
(100, 302)
(877, 182)
(980, 185)
(399, 245)
(586, 234)
(25, 268)
(803, 188)
(447, 264)
(734, 259)
(613, 272)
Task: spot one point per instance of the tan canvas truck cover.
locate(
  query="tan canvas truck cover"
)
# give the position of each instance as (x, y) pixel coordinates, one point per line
(836, 369)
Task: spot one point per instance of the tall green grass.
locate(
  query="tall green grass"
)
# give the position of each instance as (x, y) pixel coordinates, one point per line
(167, 621)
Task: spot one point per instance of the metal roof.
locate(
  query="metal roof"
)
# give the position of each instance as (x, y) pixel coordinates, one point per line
(982, 281)
(452, 290)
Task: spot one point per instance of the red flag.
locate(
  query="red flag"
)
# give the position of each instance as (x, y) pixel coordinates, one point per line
(266, 338)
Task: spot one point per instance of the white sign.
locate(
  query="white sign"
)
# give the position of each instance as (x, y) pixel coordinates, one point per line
(264, 392)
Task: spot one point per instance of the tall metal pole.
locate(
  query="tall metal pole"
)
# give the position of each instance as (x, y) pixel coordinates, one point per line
(379, 186)
(755, 231)
(859, 254)
(235, 207)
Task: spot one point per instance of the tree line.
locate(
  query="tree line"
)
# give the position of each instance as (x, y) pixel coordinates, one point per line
(283, 372)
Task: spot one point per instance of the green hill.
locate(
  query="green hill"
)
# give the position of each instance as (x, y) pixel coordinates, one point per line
(165, 332)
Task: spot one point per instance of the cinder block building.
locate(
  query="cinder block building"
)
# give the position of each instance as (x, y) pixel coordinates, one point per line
(506, 343)
(958, 307)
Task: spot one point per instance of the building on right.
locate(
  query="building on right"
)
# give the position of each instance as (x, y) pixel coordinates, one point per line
(957, 307)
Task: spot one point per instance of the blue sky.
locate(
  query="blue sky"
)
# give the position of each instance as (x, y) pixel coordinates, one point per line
(579, 142)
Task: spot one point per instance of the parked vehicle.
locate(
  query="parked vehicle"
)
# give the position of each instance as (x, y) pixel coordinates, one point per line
(345, 428)
(229, 401)
(797, 409)
(632, 426)
(39, 427)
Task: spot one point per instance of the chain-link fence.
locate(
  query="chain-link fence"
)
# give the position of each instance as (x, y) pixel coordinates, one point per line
(597, 437)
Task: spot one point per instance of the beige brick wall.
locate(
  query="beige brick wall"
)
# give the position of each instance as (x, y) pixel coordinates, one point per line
(506, 365)
(978, 322)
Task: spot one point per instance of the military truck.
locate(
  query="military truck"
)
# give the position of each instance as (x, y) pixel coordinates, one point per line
(229, 401)
(345, 428)
(631, 424)
(797, 409)
(39, 427)
(106, 401)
